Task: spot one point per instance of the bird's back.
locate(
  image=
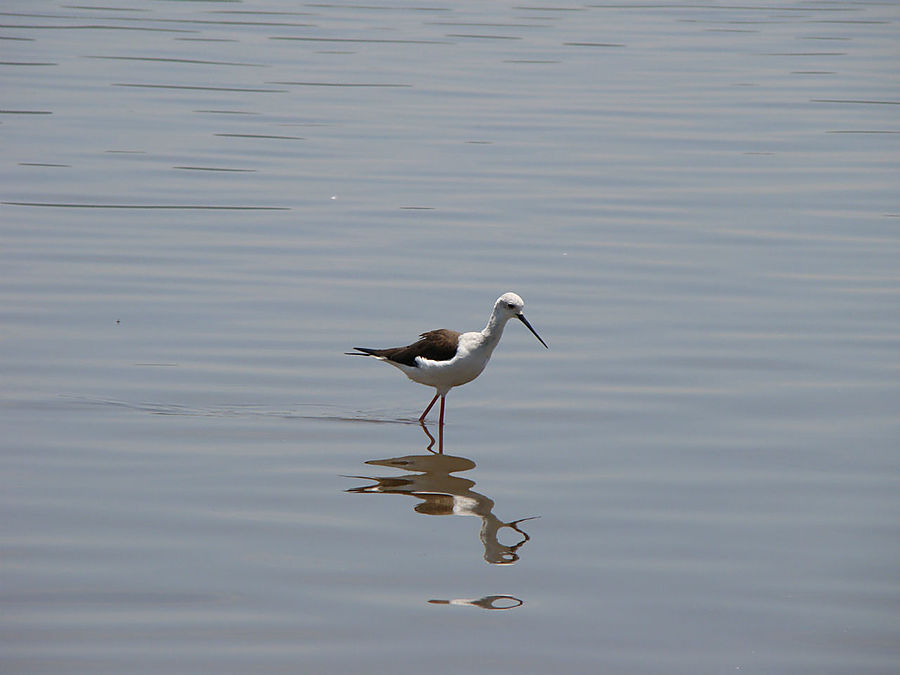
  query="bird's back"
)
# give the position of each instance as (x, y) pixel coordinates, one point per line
(434, 345)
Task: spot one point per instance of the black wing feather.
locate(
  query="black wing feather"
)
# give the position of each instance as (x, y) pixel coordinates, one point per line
(434, 345)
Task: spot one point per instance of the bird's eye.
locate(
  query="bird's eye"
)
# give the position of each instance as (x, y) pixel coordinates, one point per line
(509, 305)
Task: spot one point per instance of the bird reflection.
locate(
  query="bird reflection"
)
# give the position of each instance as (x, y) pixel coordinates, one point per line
(487, 602)
(430, 479)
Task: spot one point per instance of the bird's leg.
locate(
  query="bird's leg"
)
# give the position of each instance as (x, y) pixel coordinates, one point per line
(430, 437)
(430, 406)
(441, 423)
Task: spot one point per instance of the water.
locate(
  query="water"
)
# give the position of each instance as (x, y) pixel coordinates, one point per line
(205, 204)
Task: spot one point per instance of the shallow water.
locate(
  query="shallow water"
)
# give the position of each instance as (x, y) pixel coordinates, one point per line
(205, 204)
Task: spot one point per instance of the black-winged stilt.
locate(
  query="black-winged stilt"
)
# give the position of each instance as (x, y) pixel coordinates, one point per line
(444, 359)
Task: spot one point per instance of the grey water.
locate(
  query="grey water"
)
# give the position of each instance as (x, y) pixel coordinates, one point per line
(205, 204)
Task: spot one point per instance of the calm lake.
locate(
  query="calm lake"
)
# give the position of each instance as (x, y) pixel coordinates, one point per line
(205, 204)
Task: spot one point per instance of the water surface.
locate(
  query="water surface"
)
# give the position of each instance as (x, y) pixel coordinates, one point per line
(204, 204)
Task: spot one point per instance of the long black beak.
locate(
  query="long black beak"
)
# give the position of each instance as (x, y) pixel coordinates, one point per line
(534, 332)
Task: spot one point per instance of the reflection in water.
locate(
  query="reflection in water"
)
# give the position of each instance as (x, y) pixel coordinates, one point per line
(487, 602)
(443, 494)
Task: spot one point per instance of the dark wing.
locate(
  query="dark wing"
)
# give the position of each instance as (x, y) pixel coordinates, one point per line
(435, 345)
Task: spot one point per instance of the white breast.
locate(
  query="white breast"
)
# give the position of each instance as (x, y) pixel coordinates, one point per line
(472, 355)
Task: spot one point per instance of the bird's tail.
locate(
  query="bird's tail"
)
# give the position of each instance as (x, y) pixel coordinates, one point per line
(363, 351)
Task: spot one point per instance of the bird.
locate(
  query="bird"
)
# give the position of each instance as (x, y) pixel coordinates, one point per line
(445, 358)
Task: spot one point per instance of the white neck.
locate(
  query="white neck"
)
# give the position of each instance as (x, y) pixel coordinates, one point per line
(494, 329)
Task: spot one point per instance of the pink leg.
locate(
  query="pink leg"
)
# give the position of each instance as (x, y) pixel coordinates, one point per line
(430, 406)
(441, 423)
(430, 437)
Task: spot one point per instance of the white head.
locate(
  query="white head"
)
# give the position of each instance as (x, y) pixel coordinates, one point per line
(510, 305)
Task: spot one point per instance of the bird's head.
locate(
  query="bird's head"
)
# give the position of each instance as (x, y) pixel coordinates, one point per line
(510, 305)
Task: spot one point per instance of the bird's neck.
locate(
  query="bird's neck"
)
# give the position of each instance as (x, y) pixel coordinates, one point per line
(493, 331)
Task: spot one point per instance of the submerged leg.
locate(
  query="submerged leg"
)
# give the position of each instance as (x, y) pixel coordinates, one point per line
(430, 406)
(440, 450)
(430, 437)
